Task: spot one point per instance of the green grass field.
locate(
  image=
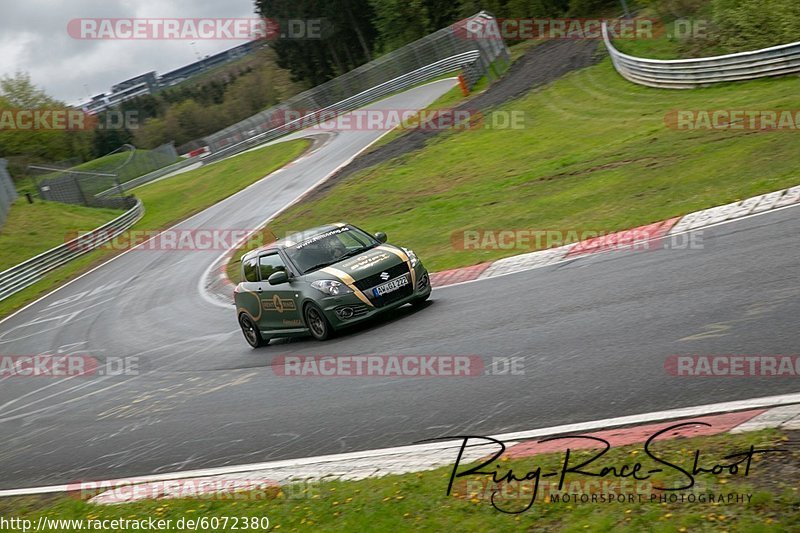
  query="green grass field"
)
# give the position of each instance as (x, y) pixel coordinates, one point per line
(418, 501)
(166, 202)
(596, 154)
(448, 100)
(126, 165)
(31, 229)
(671, 40)
(108, 163)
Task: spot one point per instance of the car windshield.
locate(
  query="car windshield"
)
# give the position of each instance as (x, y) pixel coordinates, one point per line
(323, 249)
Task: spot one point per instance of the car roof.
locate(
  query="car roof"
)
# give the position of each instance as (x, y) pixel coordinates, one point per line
(294, 238)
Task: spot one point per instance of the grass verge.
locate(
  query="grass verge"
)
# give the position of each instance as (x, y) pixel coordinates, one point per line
(126, 165)
(31, 229)
(595, 154)
(448, 100)
(454, 97)
(418, 501)
(169, 201)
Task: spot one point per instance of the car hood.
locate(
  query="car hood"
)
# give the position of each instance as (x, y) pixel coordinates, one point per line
(366, 264)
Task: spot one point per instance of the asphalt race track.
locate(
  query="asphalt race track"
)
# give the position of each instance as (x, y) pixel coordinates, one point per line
(594, 334)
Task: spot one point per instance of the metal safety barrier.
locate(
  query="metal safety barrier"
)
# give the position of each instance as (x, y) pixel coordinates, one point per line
(269, 125)
(456, 47)
(29, 272)
(400, 83)
(473, 63)
(692, 73)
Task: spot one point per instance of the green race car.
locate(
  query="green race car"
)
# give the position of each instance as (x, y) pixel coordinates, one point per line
(322, 280)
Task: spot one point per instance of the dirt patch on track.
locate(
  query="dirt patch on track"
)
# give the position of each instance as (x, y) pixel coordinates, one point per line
(542, 64)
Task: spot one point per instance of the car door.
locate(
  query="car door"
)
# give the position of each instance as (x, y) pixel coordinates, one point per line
(248, 297)
(279, 303)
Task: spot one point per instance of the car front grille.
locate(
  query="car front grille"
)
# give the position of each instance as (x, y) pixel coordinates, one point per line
(394, 272)
(371, 281)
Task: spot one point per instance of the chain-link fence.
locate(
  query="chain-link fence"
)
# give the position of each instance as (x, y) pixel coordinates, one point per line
(100, 183)
(8, 193)
(457, 40)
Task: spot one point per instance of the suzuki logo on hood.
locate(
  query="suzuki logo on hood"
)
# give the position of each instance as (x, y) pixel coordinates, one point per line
(384, 276)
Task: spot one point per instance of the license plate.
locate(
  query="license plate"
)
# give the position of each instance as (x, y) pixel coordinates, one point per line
(390, 286)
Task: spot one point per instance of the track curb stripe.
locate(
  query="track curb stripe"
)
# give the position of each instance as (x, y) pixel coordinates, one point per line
(775, 411)
(632, 238)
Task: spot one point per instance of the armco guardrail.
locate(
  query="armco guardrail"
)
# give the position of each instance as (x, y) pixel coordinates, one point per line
(691, 73)
(475, 62)
(412, 63)
(25, 274)
(268, 125)
(354, 102)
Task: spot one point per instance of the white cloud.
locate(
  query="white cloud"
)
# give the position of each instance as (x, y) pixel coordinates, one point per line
(34, 39)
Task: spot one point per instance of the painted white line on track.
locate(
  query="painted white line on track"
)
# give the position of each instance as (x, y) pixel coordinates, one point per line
(577, 428)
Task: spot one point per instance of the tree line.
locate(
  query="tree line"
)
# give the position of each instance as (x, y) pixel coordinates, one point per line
(353, 32)
(356, 31)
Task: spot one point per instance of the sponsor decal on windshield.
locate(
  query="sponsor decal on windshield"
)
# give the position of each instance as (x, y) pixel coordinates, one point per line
(321, 236)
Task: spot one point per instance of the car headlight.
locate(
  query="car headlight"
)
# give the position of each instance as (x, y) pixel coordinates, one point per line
(331, 287)
(411, 256)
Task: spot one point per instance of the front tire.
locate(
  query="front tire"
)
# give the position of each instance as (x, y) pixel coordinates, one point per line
(317, 324)
(250, 331)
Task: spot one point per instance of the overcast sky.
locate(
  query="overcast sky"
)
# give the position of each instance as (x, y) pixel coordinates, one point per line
(34, 39)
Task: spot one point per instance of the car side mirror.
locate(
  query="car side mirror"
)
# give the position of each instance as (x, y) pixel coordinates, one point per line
(276, 278)
(380, 236)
